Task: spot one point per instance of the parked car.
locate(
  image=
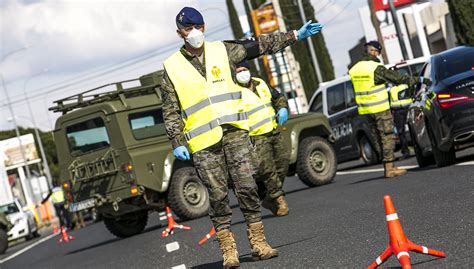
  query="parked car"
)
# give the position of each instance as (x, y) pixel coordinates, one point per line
(441, 118)
(24, 223)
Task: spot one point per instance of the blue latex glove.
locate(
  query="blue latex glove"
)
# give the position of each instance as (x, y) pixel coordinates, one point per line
(282, 116)
(181, 153)
(309, 29)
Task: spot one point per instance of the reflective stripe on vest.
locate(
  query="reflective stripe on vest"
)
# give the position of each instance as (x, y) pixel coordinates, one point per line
(260, 109)
(395, 101)
(208, 102)
(370, 98)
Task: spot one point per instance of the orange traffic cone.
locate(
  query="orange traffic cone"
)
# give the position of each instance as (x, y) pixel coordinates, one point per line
(65, 237)
(399, 245)
(209, 235)
(55, 229)
(172, 224)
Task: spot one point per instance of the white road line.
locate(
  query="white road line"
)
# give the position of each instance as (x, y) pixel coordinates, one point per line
(181, 266)
(172, 246)
(466, 163)
(163, 217)
(28, 248)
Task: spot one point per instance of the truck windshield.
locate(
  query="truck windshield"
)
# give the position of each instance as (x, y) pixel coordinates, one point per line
(87, 136)
(147, 124)
(9, 209)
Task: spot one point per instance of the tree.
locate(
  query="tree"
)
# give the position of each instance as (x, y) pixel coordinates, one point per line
(461, 12)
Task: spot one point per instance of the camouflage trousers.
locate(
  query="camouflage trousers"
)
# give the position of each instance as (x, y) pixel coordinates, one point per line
(272, 158)
(382, 131)
(227, 163)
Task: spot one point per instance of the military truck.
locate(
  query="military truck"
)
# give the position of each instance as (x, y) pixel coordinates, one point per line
(5, 226)
(114, 155)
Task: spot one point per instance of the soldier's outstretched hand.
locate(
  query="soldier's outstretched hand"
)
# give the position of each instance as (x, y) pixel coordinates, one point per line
(181, 153)
(309, 29)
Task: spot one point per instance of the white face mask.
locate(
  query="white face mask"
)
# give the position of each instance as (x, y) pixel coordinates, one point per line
(195, 38)
(243, 77)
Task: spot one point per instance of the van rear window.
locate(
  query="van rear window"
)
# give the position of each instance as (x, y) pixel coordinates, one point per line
(87, 136)
(147, 124)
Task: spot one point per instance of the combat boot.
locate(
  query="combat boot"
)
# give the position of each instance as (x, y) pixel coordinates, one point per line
(228, 248)
(261, 250)
(278, 206)
(392, 171)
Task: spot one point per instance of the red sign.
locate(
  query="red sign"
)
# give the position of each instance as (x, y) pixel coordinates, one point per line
(383, 4)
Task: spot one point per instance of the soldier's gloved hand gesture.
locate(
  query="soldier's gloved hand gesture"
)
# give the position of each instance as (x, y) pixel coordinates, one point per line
(282, 116)
(181, 153)
(309, 29)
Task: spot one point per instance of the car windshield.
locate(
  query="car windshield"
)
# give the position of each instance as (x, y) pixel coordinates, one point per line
(87, 136)
(9, 209)
(456, 64)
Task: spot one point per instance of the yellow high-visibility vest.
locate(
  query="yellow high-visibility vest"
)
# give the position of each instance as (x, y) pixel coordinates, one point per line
(206, 102)
(57, 196)
(395, 101)
(370, 98)
(261, 114)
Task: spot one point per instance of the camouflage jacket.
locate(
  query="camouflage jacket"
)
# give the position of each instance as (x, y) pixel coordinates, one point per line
(278, 99)
(268, 44)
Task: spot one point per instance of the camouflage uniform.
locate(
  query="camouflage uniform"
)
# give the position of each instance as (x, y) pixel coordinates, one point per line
(382, 122)
(230, 156)
(272, 156)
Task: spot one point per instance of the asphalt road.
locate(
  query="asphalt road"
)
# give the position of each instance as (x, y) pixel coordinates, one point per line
(340, 225)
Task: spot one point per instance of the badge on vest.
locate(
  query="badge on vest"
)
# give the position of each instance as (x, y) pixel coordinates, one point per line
(216, 73)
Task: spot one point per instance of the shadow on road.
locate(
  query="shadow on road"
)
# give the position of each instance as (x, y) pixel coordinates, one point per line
(95, 246)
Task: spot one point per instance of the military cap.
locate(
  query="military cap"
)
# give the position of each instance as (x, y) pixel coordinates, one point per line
(189, 16)
(243, 64)
(374, 44)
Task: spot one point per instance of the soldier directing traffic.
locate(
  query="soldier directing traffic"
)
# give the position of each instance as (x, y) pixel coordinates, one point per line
(369, 77)
(204, 116)
(267, 110)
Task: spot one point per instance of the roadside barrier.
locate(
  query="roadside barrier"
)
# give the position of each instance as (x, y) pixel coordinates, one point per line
(65, 237)
(399, 245)
(209, 235)
(172, 224)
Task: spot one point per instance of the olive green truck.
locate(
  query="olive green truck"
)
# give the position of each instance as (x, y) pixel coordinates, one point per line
(114, 155)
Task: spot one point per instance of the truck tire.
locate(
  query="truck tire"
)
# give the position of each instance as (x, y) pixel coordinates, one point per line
(128, 225)
(187, 195)
(316, 163)
(367, 151)
(3, 241)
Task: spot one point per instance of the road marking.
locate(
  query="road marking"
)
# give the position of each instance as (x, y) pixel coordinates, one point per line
(181, 266)
(466, 163)
(363, 171)
(163, 217)
(172, 246)
(28, 248)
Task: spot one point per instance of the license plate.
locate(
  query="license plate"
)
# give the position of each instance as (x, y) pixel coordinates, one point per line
(82, 205)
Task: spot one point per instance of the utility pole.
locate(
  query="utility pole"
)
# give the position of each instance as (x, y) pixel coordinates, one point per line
(393, 11)
(376, 24)
(310, 43)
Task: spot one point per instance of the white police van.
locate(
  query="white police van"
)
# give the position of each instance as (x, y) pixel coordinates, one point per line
(336, 99)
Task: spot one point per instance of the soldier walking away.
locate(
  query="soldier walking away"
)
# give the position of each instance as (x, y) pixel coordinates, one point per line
(204, 116)
(267, 111)
(369, 77)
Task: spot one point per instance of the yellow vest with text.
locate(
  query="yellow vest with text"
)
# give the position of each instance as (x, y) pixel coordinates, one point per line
(57, 196)
(370, 98)
(395, 101)
(261, 115)
(206, 102)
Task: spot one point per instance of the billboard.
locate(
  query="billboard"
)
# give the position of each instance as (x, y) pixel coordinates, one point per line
(384, 4)
(12, 151)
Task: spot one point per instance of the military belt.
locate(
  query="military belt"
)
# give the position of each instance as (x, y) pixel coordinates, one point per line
(214, 123)
(212, 100)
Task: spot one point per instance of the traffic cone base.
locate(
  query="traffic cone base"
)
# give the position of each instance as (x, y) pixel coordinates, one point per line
(172, 224)
(65, 237)
(207, 237)
(399, 245)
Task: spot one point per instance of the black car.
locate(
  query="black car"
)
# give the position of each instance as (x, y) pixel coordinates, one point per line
(441, 118)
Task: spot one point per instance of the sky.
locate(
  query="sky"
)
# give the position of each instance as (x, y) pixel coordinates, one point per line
(51, 49)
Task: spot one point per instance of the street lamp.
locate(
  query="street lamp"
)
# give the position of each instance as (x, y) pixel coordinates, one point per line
(40, 143)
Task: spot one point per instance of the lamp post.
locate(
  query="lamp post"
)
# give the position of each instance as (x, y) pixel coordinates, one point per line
(40, 143)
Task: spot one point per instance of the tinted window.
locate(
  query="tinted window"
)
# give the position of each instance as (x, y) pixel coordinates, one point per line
(87, 136)
(336, 98)
(317, 105)
(147, 124)
(456, 64)
(9, 209)
(416, 68)
(404, 71)
(350, 95)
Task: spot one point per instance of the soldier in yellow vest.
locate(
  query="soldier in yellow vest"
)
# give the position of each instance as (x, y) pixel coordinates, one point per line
(57, 197)
(369, 77)
(204, 116)
(267, 110)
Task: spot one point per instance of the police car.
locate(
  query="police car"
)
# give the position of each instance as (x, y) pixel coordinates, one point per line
(336, 99)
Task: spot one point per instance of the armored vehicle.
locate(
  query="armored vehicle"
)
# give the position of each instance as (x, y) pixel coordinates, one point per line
(114, 155)
(5, 226)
